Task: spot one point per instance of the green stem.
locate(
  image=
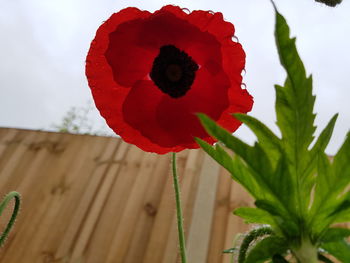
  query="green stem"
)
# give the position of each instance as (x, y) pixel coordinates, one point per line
(180, 226)
(306, 253)
(12, 220)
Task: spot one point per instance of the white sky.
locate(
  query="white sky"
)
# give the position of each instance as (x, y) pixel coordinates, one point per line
(44, 44)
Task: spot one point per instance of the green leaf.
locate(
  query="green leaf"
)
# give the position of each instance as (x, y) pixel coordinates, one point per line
(339, 249)
(343, 216)
(335, 234)
(218, 155)
(266, 249)
(341, 165)
(246, 177)
(330, 203)
(268, 141)
(344, 206)
(255, 215)
(310, 160)
(320, 146)
(258, 164)
(271, 208)
(283, 184)
(324, 203)
(236, 167)
(296, 116)
(281, 173)
(294, 109)
(242, 149)
(282, 217)
(323, 183)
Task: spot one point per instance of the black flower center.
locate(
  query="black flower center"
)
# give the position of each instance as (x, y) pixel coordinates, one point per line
(173, 71)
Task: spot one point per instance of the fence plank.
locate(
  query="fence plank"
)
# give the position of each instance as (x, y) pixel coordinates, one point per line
(220, 218)
(199, 235)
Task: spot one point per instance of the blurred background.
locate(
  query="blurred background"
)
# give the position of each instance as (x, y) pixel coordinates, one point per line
(44, 44)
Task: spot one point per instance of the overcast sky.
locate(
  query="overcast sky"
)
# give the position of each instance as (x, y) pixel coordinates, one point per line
(44, 44)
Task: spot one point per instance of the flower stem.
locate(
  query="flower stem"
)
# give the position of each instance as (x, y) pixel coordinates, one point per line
(3, 205)
(180, 226)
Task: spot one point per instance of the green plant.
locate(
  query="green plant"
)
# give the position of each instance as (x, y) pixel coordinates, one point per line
(299, 192)
(79, 120)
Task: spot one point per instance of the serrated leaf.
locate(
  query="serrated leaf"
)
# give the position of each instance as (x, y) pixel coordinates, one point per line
(220, 156)
(310, 161)
(329, 205)
(242, 149)
(268, 141)
(341, 165)
(335, 234)
(297, 93)
(339, 249)
(323, 182)
(258, 163)
(294, 107)
(238, 170)
(266, 249)
(323, 204)
(282, 172)
(320, 145)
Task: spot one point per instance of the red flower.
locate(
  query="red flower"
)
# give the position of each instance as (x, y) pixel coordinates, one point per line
(149, 74)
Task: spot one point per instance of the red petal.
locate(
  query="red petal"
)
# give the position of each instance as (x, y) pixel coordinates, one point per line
(121, 57)
(129, 61)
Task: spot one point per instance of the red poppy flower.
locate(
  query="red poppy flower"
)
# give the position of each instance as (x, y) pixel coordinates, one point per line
(149, 74)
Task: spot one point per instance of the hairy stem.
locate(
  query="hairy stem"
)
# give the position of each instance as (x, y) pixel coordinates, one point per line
(12, 220)
(179, 211)
(249, 238)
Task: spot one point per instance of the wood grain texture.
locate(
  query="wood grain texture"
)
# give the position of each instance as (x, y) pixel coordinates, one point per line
(90, 199)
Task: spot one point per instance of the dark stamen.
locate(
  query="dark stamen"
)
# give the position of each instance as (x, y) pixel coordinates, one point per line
(173, 71)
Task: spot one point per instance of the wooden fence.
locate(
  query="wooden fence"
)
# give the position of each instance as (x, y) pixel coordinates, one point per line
(90, 199)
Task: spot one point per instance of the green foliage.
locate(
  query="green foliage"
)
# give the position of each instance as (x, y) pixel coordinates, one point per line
(79, 120)
(339, 249)
(265, 249)
(299, 192)
(75, 121)
(335, 234)
(256, 215)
